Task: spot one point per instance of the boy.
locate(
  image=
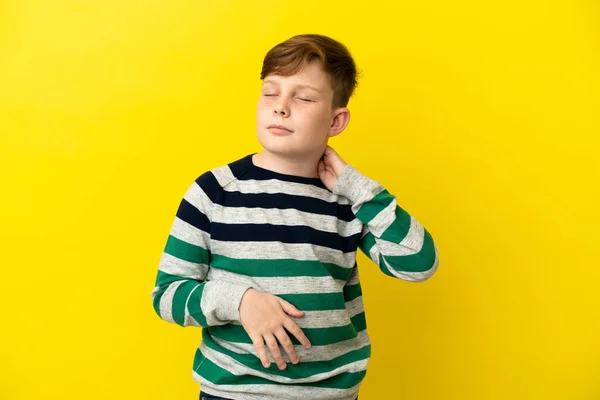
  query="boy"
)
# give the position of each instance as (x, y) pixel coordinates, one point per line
(262, 252)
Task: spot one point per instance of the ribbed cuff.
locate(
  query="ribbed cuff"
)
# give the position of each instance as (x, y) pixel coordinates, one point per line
(229, 297)
(355, 186)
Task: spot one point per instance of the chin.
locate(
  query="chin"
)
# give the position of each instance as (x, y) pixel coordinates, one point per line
(281, 150)
(276, 145)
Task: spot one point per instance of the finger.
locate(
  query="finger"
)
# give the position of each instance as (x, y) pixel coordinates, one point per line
(329, 162)
(326, 173)
(259, 345)
(329, 151)
(330, 170)
(332, 159)
(295, 330)
(287, 345)
(274, 349)
(288, 308)
(321, 167)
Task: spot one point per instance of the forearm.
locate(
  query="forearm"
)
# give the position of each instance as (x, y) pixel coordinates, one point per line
(189, 302)
(393, 239)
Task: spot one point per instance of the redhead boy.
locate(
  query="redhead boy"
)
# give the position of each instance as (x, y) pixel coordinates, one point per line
(262, 251)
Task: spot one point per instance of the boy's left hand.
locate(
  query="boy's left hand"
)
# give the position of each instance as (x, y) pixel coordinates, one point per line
(330, 167)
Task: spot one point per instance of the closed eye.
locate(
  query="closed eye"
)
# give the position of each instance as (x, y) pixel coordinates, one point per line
(305, 99)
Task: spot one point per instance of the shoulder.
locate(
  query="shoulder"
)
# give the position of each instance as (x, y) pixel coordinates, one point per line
(213, 181)
(225, 174)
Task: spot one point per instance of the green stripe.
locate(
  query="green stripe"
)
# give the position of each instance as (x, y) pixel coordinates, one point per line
(419, 262)
(164, 278)
(315, 301)
(186, 251)
(399, 228)
(179, 299)
(371, 208)
(281, 267)
(359, 321)
(352, 291)
(219, 376)
(383, 267)
(366, 243)
(293, 371)
(194, 305)
(316, 336)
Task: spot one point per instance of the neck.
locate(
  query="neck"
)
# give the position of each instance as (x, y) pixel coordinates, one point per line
(305, 167)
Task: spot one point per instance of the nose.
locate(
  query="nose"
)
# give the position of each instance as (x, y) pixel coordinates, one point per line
(280, 109)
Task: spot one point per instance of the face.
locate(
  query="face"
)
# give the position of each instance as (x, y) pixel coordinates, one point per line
(294, 117)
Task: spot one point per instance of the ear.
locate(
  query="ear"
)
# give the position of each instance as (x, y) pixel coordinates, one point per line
(341, 118)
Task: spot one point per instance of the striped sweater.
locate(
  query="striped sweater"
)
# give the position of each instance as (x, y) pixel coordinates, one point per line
(240, 226)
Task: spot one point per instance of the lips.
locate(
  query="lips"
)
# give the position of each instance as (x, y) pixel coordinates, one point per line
(279, 128)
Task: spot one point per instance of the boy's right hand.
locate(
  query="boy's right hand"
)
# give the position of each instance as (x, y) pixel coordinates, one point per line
(264, 317)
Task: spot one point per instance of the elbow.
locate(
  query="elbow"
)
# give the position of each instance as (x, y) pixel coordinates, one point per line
(429, 266)
(421, 268)
(420, 275)
(425, 275)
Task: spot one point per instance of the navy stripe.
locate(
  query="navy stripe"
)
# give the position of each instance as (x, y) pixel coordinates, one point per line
(286, 201)
(244, 169)
(239, 167)
(262, 175)
(193, 216)
(285, 234)
(210, 185)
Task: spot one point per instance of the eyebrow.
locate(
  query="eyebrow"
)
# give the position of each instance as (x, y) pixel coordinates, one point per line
(299, 86)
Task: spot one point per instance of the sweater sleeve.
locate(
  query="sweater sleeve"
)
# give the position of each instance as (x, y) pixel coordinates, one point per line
(391, 237)
(181, 294)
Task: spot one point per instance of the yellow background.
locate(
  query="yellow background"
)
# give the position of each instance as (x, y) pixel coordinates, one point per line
(481, 118)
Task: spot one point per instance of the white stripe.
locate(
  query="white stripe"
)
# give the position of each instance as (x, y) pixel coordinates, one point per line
(221, 301)
(224, 175)
(327, 318)
(281, 285)
(190, 234)
(357, 187)
(375, 253)
(319, 319)
(275, 186)
(176, 266)
(323, 319)
(411, 244)
(166, 301)
(154, 292)
(383, 219)
(279, 250)
(355, 306)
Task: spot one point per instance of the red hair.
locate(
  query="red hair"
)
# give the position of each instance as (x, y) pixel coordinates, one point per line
(289, 57)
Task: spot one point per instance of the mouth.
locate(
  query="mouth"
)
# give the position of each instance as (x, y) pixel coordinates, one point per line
(279, 129)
